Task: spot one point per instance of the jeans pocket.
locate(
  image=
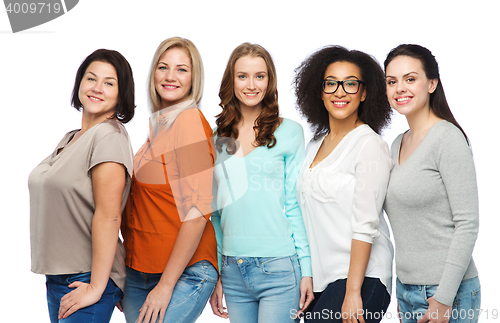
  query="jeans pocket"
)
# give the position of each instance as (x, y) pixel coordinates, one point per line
(82, 277)
(277, 265)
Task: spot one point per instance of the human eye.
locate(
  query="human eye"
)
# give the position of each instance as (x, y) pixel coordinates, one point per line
(109, 83)
(330, 82)
(391, 82)
(410, 79)
(242, 76)
(351, 83)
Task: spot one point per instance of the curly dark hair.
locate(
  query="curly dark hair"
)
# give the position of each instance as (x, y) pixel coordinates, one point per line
(227, 121)
(375, 110)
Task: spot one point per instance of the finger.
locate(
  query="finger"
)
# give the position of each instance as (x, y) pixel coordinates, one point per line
(162, 315)
(119, 306)
(424, 318)
(309, 299)
(213, 304)
(75, 284)
(361, 319)
(142, 313)
(154, 316)
(70, 311)
(302, 299)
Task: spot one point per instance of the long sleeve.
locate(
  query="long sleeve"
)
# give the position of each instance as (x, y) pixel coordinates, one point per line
(456, 166)
(293, 163)
(372, 170)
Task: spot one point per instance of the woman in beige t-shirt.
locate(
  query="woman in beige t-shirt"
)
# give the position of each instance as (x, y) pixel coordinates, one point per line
(77, 195)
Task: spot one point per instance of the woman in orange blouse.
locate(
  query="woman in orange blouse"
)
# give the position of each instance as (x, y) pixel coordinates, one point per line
(171, 251)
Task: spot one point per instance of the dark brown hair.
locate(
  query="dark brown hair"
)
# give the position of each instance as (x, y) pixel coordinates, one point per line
(437, 101)
(227, 121)
(125, 108)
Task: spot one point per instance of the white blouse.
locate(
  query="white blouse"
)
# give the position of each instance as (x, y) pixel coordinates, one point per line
(341, 199)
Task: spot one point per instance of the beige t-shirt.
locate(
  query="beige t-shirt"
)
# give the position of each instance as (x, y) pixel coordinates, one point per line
(62, 202)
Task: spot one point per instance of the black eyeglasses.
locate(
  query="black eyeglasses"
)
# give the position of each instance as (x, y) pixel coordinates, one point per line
(350, 86)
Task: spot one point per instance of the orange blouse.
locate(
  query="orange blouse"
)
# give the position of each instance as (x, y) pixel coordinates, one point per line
(173, 172)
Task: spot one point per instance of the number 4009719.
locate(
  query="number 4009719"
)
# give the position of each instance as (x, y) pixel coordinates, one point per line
(33, 7)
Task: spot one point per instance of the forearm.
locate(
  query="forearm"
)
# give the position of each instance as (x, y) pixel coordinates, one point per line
(184, 248)
(360, 256)
(104, 242)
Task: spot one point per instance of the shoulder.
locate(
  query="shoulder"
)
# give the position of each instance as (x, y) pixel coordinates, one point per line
(448, 131)
(111, 126)
(368, 136)
(289, 128)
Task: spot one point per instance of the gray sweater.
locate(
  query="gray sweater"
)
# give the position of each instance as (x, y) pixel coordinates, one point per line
(432, 205)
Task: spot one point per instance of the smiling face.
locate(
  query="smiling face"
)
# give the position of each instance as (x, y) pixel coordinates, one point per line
(250, 81)
(98, 91)
(341, 105)
(172, 77)
(408, 88)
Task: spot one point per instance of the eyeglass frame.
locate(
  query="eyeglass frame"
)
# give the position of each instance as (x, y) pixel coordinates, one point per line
(340, 83)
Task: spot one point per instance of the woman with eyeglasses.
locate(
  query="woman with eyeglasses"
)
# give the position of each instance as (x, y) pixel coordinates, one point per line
(342, 184)
(432, 200)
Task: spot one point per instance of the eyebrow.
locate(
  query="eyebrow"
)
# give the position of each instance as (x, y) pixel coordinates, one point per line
(106, 78)
(407, 74)
(346, 78)
(160, 62)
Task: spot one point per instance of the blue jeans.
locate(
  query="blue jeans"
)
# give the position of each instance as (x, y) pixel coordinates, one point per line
(190, 295)
(261, 289)
(412, 300)
(100, 312)
(327, 305)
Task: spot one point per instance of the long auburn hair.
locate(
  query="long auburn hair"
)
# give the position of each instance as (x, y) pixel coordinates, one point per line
(438, 103)
(227, 121)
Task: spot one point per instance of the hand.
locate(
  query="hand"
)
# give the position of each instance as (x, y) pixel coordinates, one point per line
(306, 295)
(216, 301)
(352, 308)
(119, 306)
(84, 295)
(155, 304)
(436, 313)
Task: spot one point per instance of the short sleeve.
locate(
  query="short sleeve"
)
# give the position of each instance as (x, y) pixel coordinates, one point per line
(112, 147)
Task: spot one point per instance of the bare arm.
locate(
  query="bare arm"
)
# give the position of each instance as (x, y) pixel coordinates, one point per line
(184, 248)
(353, 305)
(108, 182)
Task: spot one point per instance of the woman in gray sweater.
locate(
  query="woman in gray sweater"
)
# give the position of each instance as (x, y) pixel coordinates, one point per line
(432, 200)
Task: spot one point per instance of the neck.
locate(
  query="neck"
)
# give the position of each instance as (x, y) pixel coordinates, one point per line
(421, 121)
(88, 121)
(341, 127)
(249, 115)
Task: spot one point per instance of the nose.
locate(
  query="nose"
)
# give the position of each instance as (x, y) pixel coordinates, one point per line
(251, 83)
(97, 88)
(170, 75)
(400, 87)
(340, 91)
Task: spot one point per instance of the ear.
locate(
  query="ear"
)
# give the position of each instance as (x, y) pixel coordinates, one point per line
(433, 85)
(363, 94)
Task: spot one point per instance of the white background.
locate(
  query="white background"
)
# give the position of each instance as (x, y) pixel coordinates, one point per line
(37, 69)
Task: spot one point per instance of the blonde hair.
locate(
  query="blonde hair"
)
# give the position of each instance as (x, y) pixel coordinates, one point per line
(196, 91)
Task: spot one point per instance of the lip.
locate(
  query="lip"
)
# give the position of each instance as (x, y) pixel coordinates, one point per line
(94, 98)
(340, 103)
(402, 100)
(251, 95)
(170, 87)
